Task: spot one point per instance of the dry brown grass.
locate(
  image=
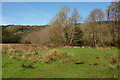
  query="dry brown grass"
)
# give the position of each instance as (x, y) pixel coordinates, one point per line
(30, 57)
(114, 61)
(24, 47)
(55, 55)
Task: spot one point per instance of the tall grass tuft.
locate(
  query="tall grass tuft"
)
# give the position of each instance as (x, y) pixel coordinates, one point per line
(55, 56)
(114, 62)
(31, 57)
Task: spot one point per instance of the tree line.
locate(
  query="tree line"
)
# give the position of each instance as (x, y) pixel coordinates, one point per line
(67, 30)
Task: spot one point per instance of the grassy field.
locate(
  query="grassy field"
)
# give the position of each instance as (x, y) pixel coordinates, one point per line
(96, 64)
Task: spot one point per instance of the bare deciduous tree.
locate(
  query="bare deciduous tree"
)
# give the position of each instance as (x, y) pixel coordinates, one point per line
(75, 33)
(61, 18)
(60, 22)
(95, 16)
(113, 14)
(114, 11)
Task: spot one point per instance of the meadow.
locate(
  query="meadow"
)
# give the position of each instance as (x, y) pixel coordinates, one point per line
(84, 63)
(68, 42)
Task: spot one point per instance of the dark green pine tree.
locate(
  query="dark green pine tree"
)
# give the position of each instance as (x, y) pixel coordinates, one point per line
(77, 38)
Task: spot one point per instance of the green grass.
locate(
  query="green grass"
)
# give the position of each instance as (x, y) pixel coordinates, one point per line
(12, 68)
(11, 43)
